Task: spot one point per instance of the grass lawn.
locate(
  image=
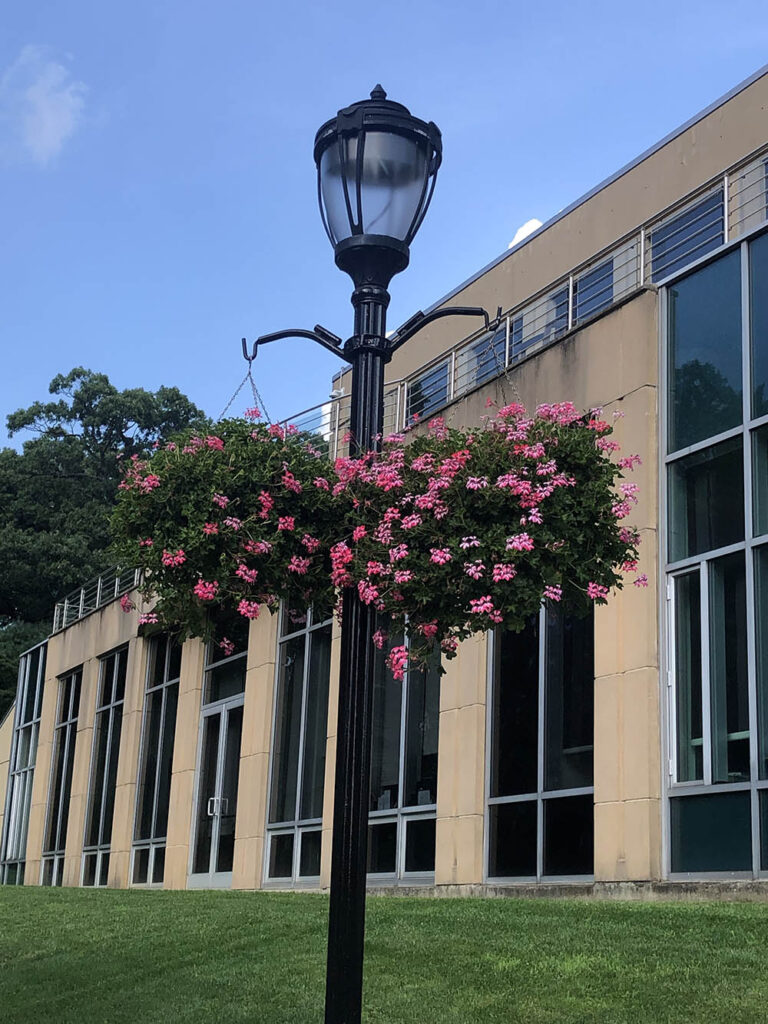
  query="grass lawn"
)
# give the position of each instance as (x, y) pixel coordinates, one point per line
(85, 955)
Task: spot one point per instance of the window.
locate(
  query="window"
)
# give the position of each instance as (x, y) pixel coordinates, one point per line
(540, 799)
(29, 700)
(717, 526)
(481, 361)
(403, 795)
(705, 353)
(64, 739)
(427, 393)
(156, 761)
(299, 746)
(593, 291)
(687, 236)
(541, 322)
(107, 727)
(218, 775)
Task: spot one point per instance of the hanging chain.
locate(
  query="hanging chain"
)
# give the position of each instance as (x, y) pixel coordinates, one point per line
(256, 396)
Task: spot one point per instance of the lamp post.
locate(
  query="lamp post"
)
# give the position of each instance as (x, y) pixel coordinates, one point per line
(376, 172)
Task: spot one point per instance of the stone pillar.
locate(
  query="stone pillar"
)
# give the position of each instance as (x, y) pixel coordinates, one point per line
(627, 691)
(330, 756)
(253, 784)
(181, 810)
(461, 766)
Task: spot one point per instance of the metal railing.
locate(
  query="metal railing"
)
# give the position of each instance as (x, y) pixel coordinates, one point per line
(94, 594)
(720, 211)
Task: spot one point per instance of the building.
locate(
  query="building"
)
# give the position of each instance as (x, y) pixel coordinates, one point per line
(631, 748)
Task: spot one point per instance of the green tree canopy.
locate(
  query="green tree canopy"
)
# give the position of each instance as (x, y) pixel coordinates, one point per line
(56, 495)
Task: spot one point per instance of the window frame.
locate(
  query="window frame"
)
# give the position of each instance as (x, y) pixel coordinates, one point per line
(64, 732)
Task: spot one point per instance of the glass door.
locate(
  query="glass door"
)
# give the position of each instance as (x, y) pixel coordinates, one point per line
(214, 844)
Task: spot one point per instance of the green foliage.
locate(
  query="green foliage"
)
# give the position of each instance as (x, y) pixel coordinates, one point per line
(79, 956)
(56, 495)
(449, 533)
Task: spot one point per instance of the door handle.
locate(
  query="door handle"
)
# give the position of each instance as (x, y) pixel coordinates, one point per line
(211, 811)
(224, 805)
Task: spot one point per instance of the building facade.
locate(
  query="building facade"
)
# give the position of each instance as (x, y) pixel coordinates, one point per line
(628, 747)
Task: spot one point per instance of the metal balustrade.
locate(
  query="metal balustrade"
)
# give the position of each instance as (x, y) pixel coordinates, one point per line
(721, 211)
(94, 594)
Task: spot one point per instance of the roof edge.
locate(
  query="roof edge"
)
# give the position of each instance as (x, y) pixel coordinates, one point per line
(605, 183)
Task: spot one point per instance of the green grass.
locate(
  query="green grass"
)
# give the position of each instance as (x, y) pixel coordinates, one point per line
(79, 955)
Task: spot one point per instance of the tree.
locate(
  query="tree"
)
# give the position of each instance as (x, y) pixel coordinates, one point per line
(56, 495)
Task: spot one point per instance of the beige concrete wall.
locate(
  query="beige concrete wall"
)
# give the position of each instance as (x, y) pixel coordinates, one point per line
(6, 738)
(707, 149)
(461, 766)
(83, 644)
(181, 809)
(253, 784)
(612, 363)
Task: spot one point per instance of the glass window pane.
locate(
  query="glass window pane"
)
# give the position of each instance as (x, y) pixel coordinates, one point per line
(385, 746)
(104, 869)
(111, 776)
(89, 869)
(711, 832)
(157, 650)
(285, 754)
(309, 854)
(165, 767)
(206, 793)
(569, 830)
(148, 778)
(421, 734)
(758, 275)
(512, 840)
(427, 393)
(316, 723)
(141, 866)
(230, 777)
(101, 728)
(706, 500)
(705, 352)
(158, 865)
(382, 848)
(593, 291)
(281, 856)
(760, 481)
(225, 680)
(764, 829)
(690, 743)
(54, 802)
(687, 237)
(761, 650)
(514, 761)
(121, 665)
(420, 844)
(569, 700)
(728, 669)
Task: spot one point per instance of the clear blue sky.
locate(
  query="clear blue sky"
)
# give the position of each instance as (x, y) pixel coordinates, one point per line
(157, 187)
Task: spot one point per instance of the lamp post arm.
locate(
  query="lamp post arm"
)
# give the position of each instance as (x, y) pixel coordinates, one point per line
(420, 320)
(321, 335)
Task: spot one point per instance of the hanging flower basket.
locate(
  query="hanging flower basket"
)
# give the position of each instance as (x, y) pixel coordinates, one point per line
(445, 532)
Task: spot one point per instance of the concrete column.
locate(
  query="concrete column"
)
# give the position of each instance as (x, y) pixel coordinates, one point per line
(330, 756)
(181, 809)
(253, 784)
(627, 691)
(461, 766)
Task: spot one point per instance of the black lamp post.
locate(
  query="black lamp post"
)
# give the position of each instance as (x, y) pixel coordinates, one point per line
(376, 171)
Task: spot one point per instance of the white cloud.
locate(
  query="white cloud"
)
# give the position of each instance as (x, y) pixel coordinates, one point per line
(41, 106)
(524, 230)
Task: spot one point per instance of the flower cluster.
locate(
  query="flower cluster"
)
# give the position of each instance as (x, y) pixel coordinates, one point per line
(445, 532)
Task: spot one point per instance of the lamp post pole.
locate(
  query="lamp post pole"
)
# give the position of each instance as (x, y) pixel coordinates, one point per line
(346, 921)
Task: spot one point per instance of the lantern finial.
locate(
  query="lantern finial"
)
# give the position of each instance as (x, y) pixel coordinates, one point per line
(378, 93)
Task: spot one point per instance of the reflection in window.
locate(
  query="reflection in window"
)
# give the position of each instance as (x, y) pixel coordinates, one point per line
(687, 236)
(728, 669)
(64, 737)
(540, 814)
(690, 735)
(427, 393)
(706, 500)
(593, 291)
(107, 727)
(711, 832)
(29, 700)
(299, 746)
(705, 353)
(758, 275)
(761, 644)
(154, 789)
(406, 716)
